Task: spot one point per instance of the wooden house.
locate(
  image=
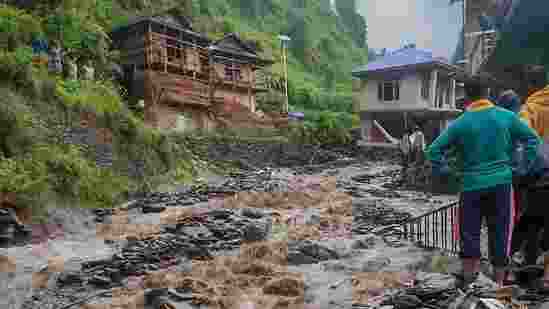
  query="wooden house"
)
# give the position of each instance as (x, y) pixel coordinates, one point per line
(186, 80)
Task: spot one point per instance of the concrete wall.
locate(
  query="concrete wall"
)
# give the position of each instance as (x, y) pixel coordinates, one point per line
(410, 86)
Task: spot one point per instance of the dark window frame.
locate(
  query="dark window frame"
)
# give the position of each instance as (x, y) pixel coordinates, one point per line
(389, 91)
(426, 85)
(233, 72)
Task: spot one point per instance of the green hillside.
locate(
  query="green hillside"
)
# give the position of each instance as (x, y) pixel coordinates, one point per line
(36, 106)
(325, 45)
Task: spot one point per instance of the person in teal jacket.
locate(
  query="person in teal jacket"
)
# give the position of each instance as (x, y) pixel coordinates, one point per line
(484, 138)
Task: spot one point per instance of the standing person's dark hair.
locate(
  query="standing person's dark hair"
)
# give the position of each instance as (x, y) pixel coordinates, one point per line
(475, 91)
(536, 82)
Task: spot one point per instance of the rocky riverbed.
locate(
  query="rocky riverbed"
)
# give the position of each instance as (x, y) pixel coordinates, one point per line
(322, 235)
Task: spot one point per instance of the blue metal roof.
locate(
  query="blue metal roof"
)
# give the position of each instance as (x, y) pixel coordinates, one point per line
(401, 58)
(296, 115)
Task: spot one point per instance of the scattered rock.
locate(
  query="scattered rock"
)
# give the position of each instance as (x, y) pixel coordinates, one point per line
(69, 278)
(376, 264)
(364, 243)
(100, 281)
(254, 233)
(252, 213)
(153, 208)
(309, 252)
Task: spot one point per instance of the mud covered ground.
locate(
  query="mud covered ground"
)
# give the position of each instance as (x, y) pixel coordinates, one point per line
(319, 233)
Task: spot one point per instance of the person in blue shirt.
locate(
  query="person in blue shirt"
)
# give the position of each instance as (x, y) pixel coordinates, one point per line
(484, 138)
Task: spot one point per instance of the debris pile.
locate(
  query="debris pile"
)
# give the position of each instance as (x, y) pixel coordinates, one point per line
(276, 222)
(371, 287)
(263, 155)
(257, 275)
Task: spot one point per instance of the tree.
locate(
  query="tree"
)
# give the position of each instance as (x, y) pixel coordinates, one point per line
(353, 21)
(300, 33)
(326, 7)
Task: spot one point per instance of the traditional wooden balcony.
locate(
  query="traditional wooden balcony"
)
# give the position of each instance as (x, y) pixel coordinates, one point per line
(166, 54)
(177, 89)
(258, 82)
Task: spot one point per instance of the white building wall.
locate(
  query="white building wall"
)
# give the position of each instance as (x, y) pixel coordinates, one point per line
(409, 97)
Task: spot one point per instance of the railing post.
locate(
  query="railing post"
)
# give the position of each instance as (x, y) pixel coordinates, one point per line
(426, 228)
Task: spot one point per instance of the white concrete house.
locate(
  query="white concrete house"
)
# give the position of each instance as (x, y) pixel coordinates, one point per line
(402, 89)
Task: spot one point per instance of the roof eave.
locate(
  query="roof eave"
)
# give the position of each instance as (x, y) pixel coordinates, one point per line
(236, 37)
(394, 68)
(438, 64)
(151, 20)
(216, 49)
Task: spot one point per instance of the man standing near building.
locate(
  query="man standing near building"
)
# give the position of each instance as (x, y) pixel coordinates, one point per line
(406, 147)
(418, 144)
(484, 137)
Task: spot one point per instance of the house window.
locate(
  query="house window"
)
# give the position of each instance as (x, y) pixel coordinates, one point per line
(233, 72)
(389, 91)
(425, 85)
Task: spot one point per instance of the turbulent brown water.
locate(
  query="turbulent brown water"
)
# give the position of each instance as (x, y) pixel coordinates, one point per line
(327, 281)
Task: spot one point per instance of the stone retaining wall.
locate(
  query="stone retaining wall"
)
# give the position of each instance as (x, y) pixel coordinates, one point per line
(94, 143)
(98, 143)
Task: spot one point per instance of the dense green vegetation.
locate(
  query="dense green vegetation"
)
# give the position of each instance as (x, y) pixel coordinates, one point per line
(36, 106)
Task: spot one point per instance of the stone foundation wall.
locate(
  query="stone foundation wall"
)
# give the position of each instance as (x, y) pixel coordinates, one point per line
(94, 141)
(98, 143)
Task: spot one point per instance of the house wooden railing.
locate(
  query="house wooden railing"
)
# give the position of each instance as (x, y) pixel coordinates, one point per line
(164, 53)
(179, 89)
(168, 54)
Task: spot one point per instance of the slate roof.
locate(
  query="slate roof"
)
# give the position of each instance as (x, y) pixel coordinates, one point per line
(232, 44)
(241, 47)
(405, 57)
(180, 23)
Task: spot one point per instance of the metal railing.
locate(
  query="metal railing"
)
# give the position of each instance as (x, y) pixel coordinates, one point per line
(435, 229)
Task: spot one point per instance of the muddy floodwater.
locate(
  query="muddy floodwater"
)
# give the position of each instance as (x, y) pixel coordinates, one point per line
(190, 231)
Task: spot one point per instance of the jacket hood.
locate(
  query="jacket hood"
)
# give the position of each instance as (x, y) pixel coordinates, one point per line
(510, 101)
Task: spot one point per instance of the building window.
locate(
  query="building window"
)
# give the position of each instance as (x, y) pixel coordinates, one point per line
(233, 72)
(425, 85)
(389, 91)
